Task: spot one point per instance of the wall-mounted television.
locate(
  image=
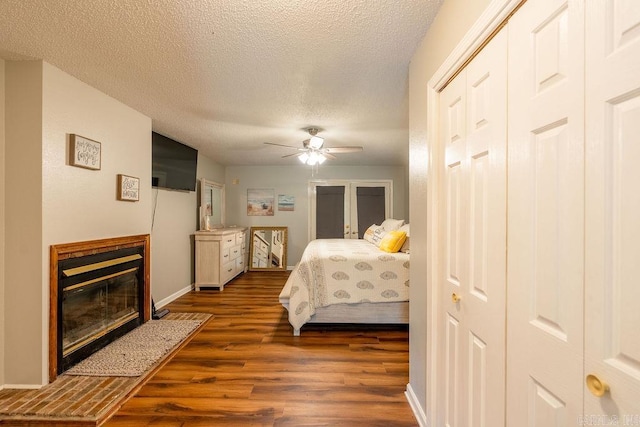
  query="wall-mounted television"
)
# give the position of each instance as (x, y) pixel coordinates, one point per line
(174, 164)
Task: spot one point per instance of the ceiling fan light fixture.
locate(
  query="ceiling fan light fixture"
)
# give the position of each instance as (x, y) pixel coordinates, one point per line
(316, 142)
(313, 158)
(303, 157)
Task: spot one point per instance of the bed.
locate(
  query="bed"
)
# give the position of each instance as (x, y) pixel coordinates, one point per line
(347, 281)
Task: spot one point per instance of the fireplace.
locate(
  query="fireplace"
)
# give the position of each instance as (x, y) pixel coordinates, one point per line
(99, 292)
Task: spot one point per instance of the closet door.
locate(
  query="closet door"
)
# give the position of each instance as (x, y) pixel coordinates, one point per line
(473, 132)
(545, 215)
(612, 310)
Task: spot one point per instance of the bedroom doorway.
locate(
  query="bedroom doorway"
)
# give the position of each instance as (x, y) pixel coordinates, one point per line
(345, 209)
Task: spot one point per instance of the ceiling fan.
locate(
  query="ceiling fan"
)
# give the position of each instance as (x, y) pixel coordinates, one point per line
(313, 152)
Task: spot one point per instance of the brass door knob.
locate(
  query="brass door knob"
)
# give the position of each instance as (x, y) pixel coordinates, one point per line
(455, 297)
(596, 386)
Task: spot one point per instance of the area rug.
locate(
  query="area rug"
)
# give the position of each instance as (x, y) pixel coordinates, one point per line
(136, 352)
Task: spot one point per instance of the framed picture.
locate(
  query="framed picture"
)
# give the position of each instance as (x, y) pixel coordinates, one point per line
(84, 152)
(260, 201)
(128, 188)
(286, 203)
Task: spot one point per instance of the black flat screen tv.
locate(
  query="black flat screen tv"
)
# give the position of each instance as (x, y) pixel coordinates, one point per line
(173, 164)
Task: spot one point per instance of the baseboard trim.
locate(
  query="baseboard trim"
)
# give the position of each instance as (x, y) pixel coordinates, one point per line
(22, 386)
(174, 296)
(421, 417)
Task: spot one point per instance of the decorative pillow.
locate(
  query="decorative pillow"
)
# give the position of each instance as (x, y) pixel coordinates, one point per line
(405, 228)
(374, 234)
(391, 224)
(405, 247)
(393, 241)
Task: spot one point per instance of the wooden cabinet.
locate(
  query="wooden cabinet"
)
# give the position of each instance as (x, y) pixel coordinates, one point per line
(221, 255)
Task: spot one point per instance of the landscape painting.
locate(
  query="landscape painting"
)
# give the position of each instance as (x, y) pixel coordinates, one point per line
(260, 201)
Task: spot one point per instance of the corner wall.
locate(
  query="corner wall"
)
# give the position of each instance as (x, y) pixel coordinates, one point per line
(49, 202)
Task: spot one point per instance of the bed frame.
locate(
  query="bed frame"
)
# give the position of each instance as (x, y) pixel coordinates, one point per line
(371, 313)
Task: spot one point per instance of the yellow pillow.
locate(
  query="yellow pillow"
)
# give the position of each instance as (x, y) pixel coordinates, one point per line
(393, 241)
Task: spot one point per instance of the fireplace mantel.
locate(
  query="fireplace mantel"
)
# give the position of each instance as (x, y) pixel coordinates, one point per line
(79, 249)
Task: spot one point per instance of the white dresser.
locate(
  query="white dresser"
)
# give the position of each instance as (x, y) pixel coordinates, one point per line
(221, 255)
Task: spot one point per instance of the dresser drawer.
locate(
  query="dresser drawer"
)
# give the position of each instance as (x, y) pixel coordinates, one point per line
(240, 265)
(228, 271)
(228, 241)
(225, 255)
(235, 252)
(240, 239)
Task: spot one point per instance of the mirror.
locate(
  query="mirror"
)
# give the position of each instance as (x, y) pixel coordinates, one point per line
(211, 205)
(268, 248)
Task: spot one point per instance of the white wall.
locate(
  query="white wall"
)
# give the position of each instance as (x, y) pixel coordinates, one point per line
(49, 202)
(294, 181)
(175, 219)
(24, 287)
(454, 19)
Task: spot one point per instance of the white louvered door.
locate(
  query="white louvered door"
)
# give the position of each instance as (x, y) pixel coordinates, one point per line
(546, 212)
(612, 303)
(473, 131)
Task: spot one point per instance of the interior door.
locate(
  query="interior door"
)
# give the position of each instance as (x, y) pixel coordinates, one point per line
(473, 132)
(345, 209)
(612, 315)
(546, 214)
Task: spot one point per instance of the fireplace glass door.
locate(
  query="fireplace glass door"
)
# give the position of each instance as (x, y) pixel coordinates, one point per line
(91, 310)
(99, 300)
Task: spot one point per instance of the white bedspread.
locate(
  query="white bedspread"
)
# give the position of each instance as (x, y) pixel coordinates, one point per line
(345, 271)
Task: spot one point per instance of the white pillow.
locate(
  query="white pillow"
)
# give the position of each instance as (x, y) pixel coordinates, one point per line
(391, 224)
(374, 234)
(406, 246)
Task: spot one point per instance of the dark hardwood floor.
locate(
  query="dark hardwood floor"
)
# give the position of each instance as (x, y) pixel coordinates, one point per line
(246, 369)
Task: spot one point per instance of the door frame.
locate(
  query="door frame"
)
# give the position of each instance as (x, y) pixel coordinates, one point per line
(349, 184)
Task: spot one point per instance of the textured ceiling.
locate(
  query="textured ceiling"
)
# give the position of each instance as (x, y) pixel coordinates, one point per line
(224, 76)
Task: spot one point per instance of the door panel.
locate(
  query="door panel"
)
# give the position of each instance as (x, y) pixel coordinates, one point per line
(371, 202)
(545, 217)
(453, 137)
(612, 347)
(345, 209)
(473, 121)
(330, 208)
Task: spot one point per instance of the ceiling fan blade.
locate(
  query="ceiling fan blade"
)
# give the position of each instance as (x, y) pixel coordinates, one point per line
(282, 145)
(353, 149)
(291, 155)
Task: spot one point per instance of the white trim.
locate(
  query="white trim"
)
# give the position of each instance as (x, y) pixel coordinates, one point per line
(491, 18)
(174, 296)
(422, 419)
(23, 386)
(487, 23)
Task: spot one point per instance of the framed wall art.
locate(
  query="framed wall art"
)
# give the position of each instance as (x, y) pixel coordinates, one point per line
(260, 201)
(84, 152)
(128, 188)
(286, 202)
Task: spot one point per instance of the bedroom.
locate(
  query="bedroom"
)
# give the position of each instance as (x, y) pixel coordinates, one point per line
(41, 224)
